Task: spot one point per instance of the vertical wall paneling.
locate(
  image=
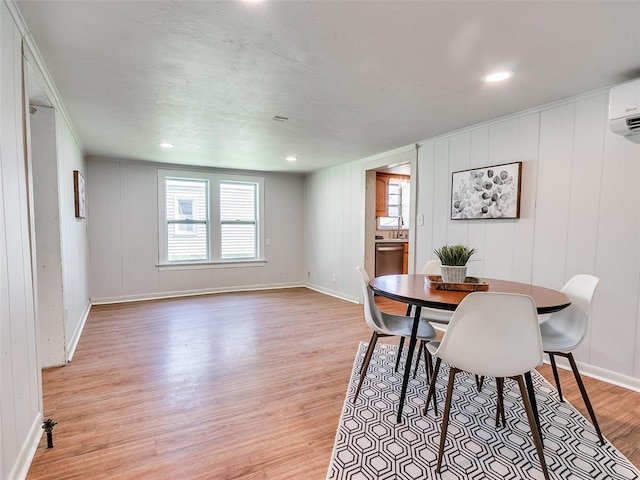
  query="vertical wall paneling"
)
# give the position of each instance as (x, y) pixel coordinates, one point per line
(20, 389)
(51, 316)
(528, 134)
(614, 328)
(74, 234)
(499, 234)
(586, 171)
(479, 157)
(459, 159)
(424, 205)
(356, 245)
(105, 232)
(553, 195)
(441, 193)
(586, 192)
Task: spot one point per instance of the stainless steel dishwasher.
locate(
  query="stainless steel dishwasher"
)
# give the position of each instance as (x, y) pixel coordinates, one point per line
(389, 258)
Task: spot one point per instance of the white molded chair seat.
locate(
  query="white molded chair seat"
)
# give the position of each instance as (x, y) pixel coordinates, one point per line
(562, 332)
(492, 335)
(385, 324)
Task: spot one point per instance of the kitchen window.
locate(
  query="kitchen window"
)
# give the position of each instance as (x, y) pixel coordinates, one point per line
(208, 218)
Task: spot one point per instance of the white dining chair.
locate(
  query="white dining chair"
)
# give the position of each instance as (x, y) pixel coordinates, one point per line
(437, 317)
(492, 335)
(384, 325)
(562, 332)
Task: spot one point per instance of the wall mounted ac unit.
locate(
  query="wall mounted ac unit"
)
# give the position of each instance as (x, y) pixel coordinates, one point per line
(624, 110)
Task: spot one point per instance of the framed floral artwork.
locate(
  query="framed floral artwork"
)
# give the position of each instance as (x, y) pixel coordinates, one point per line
(487, 192)
(79, 194)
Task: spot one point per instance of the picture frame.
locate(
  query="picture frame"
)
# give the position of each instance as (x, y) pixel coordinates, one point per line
(79, 195)
(491, 192)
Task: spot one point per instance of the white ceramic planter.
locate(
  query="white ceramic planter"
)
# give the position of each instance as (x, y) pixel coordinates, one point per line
(453, 274)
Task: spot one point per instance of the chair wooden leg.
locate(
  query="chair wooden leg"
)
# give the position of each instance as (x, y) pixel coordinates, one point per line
(500, 409)
(431, 392)
(554, 367)
(415, 369)
(369, 352)
(400, 345)
(532, 425)
(534, 403)
(365, 363)
(585, 397)
(479, 382)
(428, 365)
(445, 416)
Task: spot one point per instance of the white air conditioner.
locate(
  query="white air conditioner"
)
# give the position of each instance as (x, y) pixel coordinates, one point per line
(624, 110)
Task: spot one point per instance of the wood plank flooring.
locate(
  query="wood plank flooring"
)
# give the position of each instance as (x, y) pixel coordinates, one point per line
(244, 385)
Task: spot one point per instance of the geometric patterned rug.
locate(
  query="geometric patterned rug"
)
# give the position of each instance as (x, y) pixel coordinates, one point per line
(370, 444)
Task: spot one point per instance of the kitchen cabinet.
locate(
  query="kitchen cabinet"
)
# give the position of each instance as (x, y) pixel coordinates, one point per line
(381, 194)
(405, 259)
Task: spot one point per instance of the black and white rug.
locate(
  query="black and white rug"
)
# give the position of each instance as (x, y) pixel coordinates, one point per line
(371, 445)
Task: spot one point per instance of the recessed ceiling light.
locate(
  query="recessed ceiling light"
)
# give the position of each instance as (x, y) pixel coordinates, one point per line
(498, 76)
(291, 158)
(166, 145)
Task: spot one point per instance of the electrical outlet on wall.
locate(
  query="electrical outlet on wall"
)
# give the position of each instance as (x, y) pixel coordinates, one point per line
(333, 277)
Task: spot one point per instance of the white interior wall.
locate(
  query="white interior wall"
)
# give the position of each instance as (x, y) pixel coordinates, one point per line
(20, 382)
(123, 218)
(74, 235)
(338, 234)
(51, 318)
(579, 214)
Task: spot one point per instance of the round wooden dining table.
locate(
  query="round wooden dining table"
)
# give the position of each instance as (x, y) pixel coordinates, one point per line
(414, 290)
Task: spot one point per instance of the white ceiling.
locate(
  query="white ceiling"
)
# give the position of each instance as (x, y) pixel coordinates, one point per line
(354, 78)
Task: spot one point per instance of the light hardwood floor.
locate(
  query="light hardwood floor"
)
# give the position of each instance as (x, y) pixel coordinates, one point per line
(231, 386)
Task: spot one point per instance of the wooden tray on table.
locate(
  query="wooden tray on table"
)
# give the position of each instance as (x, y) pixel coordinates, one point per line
(471, 284)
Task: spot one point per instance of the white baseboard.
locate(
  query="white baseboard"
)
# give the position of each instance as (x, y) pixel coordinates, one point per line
(28, 451)
(190, 293)
(75, 338)
(332, 293)
(607, 376)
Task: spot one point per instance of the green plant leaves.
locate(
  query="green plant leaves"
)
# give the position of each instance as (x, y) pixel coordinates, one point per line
(454, 255)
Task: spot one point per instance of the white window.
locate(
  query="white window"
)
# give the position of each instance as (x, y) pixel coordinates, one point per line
(238, 222)
(394, 199)
(209, 217)
(187, 236)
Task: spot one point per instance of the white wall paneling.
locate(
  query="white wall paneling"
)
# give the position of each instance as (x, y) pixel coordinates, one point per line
(122, 203)
(74, 235)
(20, 383)
(614, 333)
(51, 310)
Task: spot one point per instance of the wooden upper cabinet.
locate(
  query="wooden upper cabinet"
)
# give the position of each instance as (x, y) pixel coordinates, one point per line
(381, 195)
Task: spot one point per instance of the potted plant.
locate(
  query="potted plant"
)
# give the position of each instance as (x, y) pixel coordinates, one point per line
(454, 260)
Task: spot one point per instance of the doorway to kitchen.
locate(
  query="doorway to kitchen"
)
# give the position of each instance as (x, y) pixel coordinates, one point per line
(388, 218)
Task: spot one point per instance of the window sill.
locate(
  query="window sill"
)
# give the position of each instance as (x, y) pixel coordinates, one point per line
(212, 265)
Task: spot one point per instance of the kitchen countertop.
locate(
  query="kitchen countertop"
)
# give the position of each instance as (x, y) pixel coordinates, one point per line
(392, 240)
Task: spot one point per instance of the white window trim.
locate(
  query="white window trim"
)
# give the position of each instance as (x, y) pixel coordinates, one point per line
(213, 222)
